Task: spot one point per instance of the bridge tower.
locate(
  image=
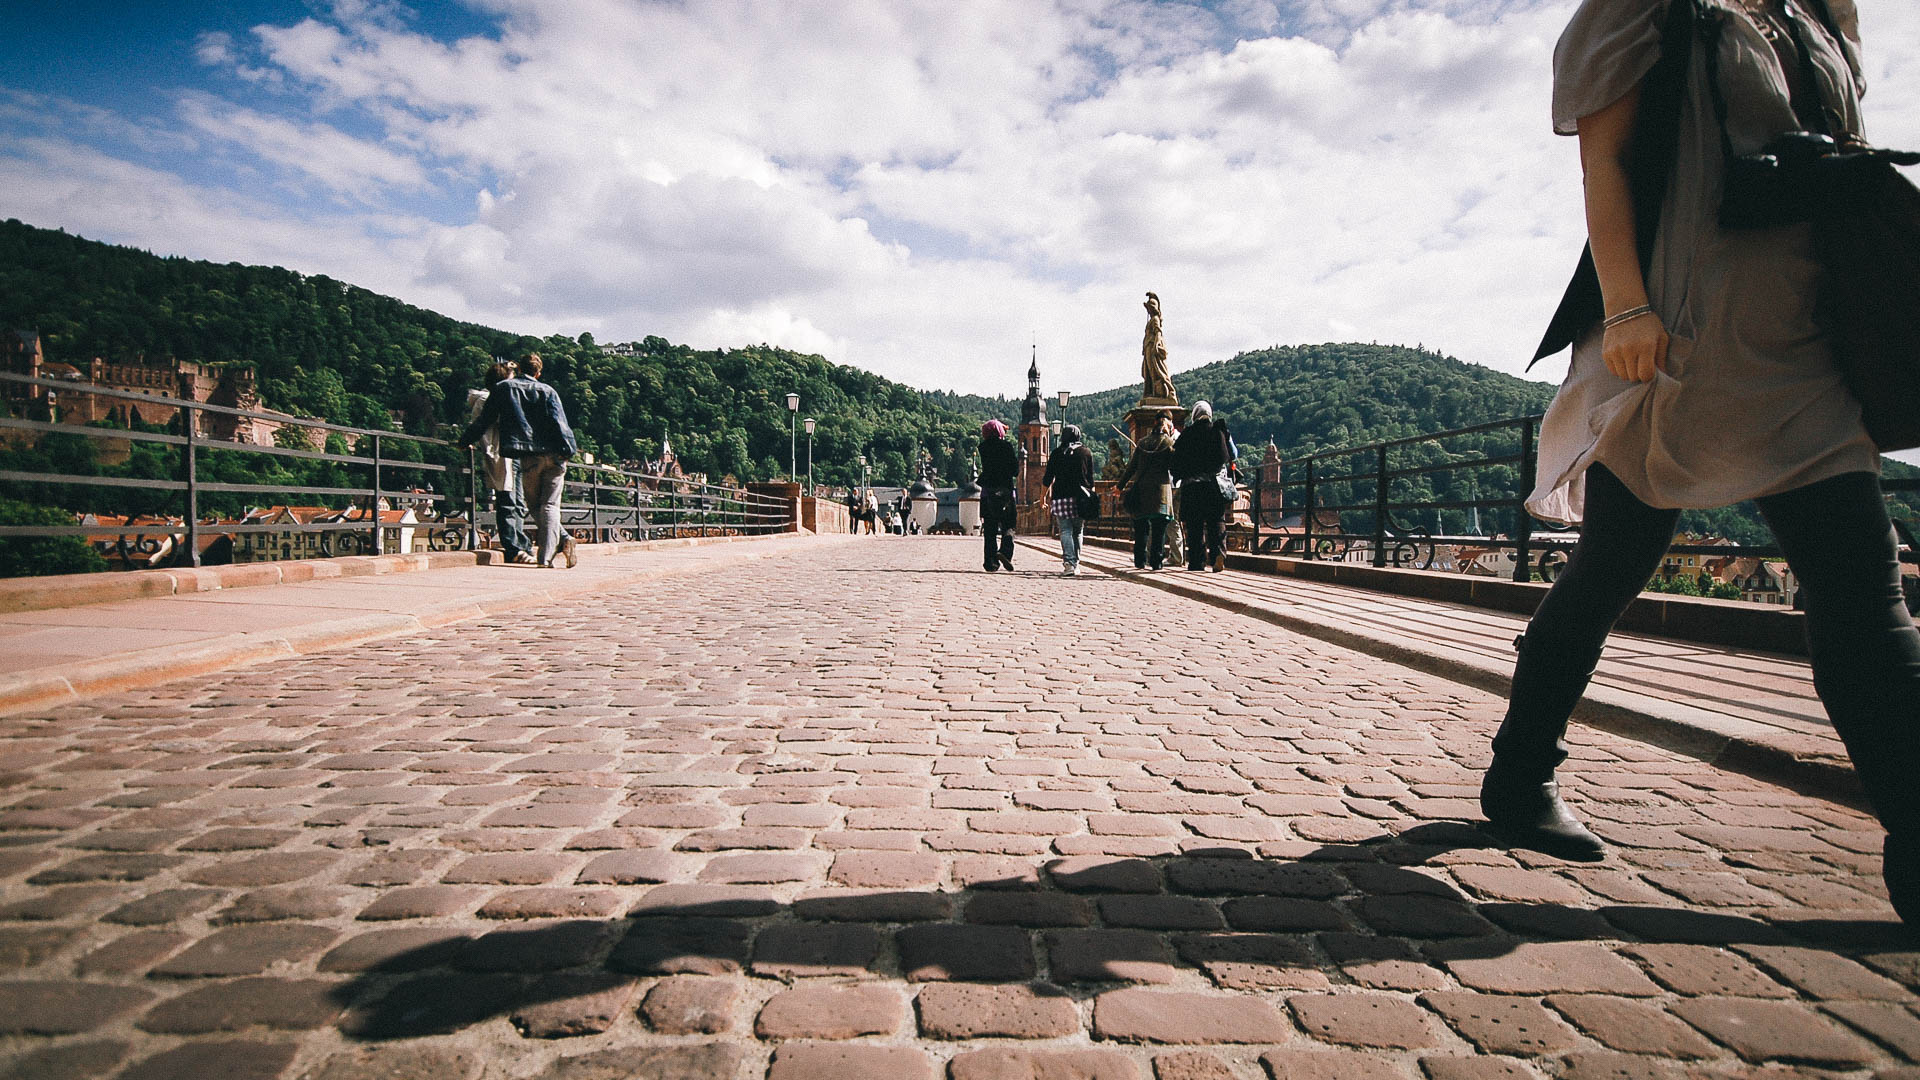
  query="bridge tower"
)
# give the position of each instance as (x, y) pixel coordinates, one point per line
(1034, 437)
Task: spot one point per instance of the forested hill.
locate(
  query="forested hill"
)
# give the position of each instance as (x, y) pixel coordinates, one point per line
(1309, 397)
(330, 349)
(1317, 397)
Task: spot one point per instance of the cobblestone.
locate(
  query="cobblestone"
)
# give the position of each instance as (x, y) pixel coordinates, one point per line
(679, 832)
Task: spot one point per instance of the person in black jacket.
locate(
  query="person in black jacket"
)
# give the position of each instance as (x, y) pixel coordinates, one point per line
(1147, 494)
(1197, 460)
(999, 469)
(1069, 480)
(532, 427)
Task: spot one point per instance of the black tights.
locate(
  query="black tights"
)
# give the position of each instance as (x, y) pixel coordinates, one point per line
(1864, 648)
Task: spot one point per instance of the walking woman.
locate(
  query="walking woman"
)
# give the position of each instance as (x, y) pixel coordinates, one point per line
(1704, 381)
(1069, 481)
(999, 469)
(1203, 450)
(1147, 494)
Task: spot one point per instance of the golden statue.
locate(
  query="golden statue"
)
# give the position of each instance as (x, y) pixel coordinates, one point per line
(1157, 383)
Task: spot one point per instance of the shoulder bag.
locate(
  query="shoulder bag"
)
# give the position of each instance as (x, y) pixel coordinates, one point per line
(1866, 235)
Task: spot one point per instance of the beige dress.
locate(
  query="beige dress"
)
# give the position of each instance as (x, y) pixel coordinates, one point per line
(1751, 403)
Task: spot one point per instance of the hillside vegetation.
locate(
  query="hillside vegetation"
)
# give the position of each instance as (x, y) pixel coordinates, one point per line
(330, 349)
(326, 348)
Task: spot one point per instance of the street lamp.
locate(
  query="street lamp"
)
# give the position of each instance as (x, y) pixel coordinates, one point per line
(1056, 432)
(793, 440)
(809, 422)
(1063, 405)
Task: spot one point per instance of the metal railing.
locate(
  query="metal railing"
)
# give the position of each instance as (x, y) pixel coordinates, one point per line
(1368, 492)
(377, 456)
(611, 504)
(1360, 495)
(600, 502)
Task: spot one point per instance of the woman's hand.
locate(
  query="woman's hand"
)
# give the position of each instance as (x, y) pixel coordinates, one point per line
(1635, 349)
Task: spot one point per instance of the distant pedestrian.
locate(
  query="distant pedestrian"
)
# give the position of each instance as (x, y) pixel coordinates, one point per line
(532, 427)
(1202, 460)
(853, 512)
(871, 513)
(1147, 494)
(999, 470)
(1069, 481)
(502, 473)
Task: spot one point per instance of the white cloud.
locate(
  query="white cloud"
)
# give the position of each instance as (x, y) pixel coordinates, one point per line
(338, 162)
(913, 187)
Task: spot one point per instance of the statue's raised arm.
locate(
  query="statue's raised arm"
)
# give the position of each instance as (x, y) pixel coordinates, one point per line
(1157, 382)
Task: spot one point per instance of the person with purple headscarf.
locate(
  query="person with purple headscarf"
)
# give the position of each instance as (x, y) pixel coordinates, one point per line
(999, 468)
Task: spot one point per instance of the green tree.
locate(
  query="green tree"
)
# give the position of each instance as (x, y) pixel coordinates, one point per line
(36, 556)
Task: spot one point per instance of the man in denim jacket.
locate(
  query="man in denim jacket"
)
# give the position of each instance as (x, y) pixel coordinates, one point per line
(532, 427)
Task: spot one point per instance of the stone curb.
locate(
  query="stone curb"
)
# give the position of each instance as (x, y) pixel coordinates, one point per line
(1725, 742)
(31, 690)
(78, 590)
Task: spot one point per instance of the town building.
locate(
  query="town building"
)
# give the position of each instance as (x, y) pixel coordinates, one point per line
(232, 386)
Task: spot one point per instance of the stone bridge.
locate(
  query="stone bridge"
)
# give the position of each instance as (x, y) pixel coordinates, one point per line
(847, 808)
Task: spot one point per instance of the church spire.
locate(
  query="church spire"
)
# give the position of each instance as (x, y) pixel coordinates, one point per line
(1034, 409)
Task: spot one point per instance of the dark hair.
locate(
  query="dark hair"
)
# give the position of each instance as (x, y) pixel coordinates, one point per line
(532, 365)
(499, 371)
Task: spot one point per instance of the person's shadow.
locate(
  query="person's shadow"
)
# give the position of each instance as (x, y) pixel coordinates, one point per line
(1079, 927)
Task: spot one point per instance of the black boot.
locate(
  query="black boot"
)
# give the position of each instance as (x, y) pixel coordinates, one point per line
(1900, 865)
(1524, 810)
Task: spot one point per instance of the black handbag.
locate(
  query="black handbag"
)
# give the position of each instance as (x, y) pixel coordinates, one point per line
(1866, 236)
(1225, 487)
(1086, 503)
(1869, 304)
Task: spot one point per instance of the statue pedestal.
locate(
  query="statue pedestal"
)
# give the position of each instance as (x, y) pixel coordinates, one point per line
(1144, 417)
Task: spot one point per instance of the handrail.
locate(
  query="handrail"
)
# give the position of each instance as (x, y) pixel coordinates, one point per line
(633, 505)
(1398, 544)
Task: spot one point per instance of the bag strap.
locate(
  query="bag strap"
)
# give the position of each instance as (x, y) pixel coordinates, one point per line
(1655, 149)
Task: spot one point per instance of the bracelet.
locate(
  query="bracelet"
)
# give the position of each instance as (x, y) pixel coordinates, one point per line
(1626, 316)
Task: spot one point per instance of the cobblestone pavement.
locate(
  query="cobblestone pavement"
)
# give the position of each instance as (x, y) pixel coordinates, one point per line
(866, 812)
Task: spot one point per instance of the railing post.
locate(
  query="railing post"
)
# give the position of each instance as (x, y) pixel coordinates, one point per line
(473, 500)
(593, 496)
(639, 523)
(1523, 521)
(191, 467)
(1306, 516)
(1256, 519)
(1380, 509)
(373, 508)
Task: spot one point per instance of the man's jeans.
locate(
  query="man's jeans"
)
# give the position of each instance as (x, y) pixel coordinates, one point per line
(544, 476)
(510, 523)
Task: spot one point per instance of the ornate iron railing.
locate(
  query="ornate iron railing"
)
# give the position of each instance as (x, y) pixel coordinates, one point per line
(1392, 538)
(1360, 501)
(602, 502)
(383, 461)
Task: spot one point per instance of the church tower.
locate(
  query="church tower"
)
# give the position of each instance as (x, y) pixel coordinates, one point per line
(1033, 436)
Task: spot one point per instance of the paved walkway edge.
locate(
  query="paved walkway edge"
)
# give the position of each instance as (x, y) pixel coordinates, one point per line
(77, 590)
(1722, 741)
(30, 690)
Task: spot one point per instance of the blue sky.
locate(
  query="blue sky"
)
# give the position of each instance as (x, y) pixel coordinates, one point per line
(919, 189)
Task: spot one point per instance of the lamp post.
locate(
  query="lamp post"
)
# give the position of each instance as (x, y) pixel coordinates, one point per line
(1063, 405)
(793, 440)
(809, 422)
(1056, 426)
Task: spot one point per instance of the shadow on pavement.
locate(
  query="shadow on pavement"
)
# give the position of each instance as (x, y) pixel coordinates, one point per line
(1080, 926)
